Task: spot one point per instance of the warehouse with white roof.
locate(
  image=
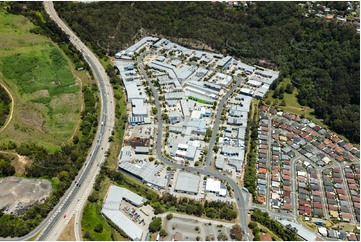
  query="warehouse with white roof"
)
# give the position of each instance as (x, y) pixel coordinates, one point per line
(111, 210)
(215, 186)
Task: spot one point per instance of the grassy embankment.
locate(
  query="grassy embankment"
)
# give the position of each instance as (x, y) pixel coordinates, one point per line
(292, 106)
(92, 211)
(41, 79)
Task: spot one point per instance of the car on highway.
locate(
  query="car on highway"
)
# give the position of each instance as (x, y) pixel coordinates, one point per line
(64, 215)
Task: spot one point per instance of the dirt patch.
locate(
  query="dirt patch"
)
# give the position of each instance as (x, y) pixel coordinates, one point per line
(19, 194)
(41, 93)
(20, 163)
(68, 233)
(30, 117)
(68, 101)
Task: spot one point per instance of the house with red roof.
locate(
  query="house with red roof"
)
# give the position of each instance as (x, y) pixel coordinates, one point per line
(265, 237)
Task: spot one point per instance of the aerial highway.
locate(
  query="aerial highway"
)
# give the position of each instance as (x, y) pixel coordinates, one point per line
(75, 202)
(241, 197)
(75, 197)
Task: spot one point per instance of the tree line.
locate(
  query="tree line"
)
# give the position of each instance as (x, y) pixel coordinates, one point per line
(321, 57)
(5, 105)
(62, 165)
(287, 233)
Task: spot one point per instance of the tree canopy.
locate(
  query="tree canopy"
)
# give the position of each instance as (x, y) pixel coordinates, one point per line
(321, 57)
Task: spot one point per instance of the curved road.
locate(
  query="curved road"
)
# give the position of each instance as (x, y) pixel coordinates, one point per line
(75, 197)
(12, 107)
(239, 195)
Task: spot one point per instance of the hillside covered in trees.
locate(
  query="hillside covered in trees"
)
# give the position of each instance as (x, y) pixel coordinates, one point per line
(321, 57)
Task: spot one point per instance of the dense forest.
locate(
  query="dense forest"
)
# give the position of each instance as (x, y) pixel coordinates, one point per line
(321, 56)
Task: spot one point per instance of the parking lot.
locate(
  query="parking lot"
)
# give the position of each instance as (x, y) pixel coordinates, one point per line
(141, 216)
(190, 229)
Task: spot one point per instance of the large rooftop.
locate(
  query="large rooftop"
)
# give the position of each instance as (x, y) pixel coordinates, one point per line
(187, 182)
(111, 210)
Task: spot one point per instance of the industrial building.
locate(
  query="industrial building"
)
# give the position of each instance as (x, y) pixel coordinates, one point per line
(187, 183)
(225, 62)
(111, 210)
(219, 163)
(215, 186)
(181, 73)
(139, 108)
(128, 53)
(145, 171)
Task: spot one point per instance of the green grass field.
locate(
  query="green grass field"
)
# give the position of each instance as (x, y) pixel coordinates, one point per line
(92, 216)
(40, 78)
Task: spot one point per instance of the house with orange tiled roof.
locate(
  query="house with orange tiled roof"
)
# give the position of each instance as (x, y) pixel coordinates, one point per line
(260, 199)
(265, 237)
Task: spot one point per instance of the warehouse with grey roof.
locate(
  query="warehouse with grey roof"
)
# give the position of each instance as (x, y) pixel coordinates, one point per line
(187, 183)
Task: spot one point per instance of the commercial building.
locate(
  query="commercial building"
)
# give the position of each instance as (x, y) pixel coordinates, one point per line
(225, 62)
(111, 210)
(187, 183)
(246, 91)
(186, 151)
(244, 67)
(215, 186)
(128, 53)
(220, 163)
(139, 108)
(180, 73)
(145, 171)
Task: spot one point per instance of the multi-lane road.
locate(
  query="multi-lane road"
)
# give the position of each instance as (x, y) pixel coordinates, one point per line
(75, 197)
(241, 197)
(74, 203)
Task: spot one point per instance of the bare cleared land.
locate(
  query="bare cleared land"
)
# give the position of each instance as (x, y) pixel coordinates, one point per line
(17, 194)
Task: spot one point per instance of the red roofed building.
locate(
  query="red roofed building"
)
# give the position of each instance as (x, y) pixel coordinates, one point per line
(287, 188)
(349, 175)
(260, 199)
(263, 108)
(352, 237)
(287, 206)
(353, 187)
(332, 208)
(338, 150)
(339, 158)
(340, 191)
(330, 194)
(355, 199)
(336, 170)
(316, 193)
(265, 237)
(336, 139)
(317, 128)
(346, 216)
(348, 147)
